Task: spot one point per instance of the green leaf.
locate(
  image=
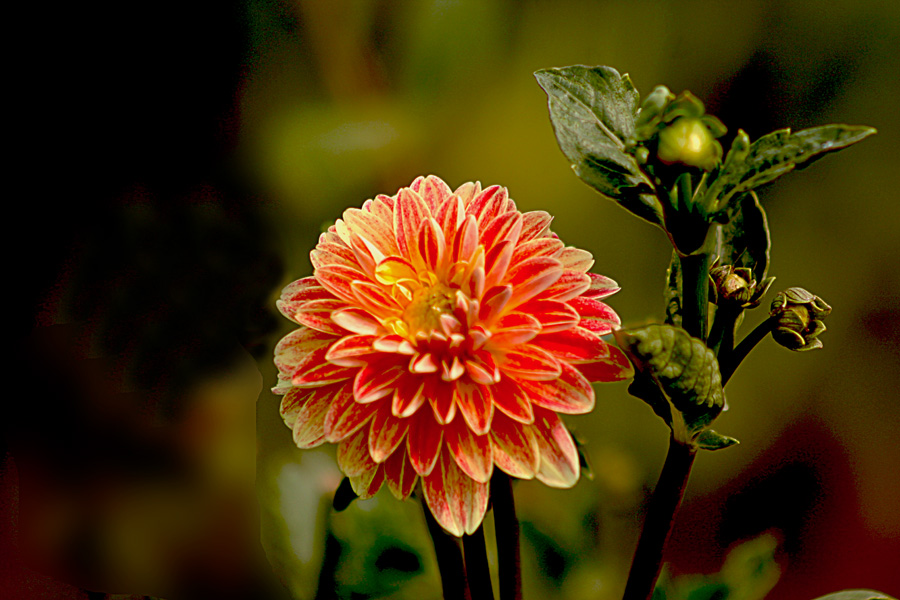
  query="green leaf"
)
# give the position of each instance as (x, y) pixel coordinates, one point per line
(773, 155)
(857, 595)
(672, 293)
(685, 372)
(592, 110)
(745, 238)
(709, 439)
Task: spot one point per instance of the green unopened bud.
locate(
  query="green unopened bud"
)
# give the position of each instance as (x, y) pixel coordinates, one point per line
(799, 315)
(689, 141)
(736, 287)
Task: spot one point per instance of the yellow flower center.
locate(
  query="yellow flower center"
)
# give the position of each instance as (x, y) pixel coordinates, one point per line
(423, 313)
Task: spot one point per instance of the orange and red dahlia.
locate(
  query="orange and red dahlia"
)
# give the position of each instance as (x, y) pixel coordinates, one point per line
(440, 336)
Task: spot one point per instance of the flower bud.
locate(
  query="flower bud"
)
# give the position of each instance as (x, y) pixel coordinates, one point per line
(799, 315)
(736, 287)
(690, 142)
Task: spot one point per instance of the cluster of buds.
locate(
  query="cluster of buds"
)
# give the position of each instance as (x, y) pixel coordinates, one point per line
(735, 287)
(799, 315)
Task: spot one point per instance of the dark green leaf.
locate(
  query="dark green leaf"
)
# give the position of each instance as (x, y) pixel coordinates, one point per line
(709, 439)
(684, 370)
(672, 294)
(745, 238)
(857, 595)
(593, 110)
(773, 155)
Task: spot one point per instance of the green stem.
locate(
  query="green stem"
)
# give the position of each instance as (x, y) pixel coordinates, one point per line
(661, 511)
(477, 569)
(721, 334)
(695, 294)
(454, 583)
(506, 527)
(730, 363)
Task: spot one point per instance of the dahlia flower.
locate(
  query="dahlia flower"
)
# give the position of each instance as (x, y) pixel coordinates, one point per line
(441, 335)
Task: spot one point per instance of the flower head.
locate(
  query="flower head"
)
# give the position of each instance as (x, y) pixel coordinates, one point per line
(440, 336)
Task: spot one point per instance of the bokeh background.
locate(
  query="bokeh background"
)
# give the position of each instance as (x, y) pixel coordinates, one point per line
(273, 116)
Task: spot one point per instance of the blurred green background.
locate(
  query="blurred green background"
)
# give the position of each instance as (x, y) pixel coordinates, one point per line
(349, 98)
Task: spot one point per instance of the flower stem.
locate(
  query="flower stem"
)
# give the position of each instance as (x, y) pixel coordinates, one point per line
(721, 334)
(477, 570)
(454, 582)
(729, 363)
(506, 526)
(648, 558)
(695, 290)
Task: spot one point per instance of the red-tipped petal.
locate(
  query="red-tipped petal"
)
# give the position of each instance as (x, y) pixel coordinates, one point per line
(576, 259)
(476, 405)
(359, 321)
(574, 345)
(466, 240)
(376, 379)
(514, 329)
(512, 400)
(450, 215)
(374, 228)
(530, 362)
(569, 285)
(531, 277)
(596, 316)
(457, 501)
(493, 302)
(346, 417)
(409, 212)
(553, 315)
(505, 228)
(560, 466)
(442, 397)
(601, 287)
(423, 441)
(535, 224)
(515, 448)
(320, 373)
(350, 351)
(570, 394)
(338, 279)
(316, 314)
(304, 290)
(333, 253)
(386, 433)
(408, 396)
(353, 455)
(374, 298)
(615, 367)
(367, 484)
(496, 263)
(535, 248)
(433, 190)
(293, 350)
(431, 244)
(471, 452)
(400, 475)
(487, 205)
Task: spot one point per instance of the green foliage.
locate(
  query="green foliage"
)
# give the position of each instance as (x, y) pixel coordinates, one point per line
(749, 573)
(678, 376)
(593, 110)
(857, 595)
(745, 238)
(748, 166)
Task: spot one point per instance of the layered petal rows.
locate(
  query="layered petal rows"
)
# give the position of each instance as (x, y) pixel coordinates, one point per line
(441, 335)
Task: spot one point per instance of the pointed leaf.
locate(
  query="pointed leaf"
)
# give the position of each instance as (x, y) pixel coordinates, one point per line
(593, 111)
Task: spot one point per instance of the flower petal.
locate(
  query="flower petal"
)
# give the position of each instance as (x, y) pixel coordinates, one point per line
(487, 205)
(366, 484)
(570, 394)
(616, 367)
(457, 501)
(512, 400)
(475, 404)
(400, 475)
(337, 279)
(601, 287)
(560, 466)
(346, 415)
(432, 189)
(376, 379)
(531, 277)
(316, 314)
(515, 448)
(358, 321)
(386, 433)
(574, 345)
(514, 329)
(423, 441)
(569, 285)
(535, 224)
(408, 396)
(443, 399)
(576, 259)
(348, 350)
(596, 316)
(471, 452)
(373, 228)
(553, 315)
(353, 454)
(538, 247)
(505, 228)
(530, 362)
(409, 212)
